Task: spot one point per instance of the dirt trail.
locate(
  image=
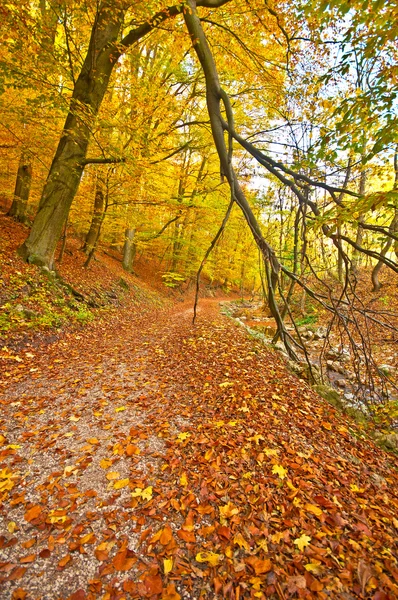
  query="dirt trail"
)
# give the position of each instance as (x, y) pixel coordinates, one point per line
(151, 459)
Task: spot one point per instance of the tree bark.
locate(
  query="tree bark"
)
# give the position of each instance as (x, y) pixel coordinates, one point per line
(22, 188)
(67, 166)
(93, 232)
(128, 250)
(215, 95)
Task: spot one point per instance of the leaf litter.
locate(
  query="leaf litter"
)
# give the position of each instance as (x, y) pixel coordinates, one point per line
(156, 460)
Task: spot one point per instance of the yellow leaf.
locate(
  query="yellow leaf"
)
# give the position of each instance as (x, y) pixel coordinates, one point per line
(11, 526)
(240, 541)
(121, 484)
(112, 475)
(93, 441)
(167, 565)
(105, 463)
(13, 446)
(296, 501)
(256, 438)
(315, 510)
(2, 439)
(355, 488)
(280, 471)
(120, 409)
(184, 479)
(314, 567)
(209, 454)
(226, 384)
(271, 452)
(183, 436)
(74, 419)
(302, 542)
(210, 558)
(145, 494)
(228, 510)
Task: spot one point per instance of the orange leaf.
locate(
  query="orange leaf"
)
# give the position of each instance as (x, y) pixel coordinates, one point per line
(131, 450)
(326, 425)
(123, 562)
(167, 536)
(171, 593)
(189, 522)
(187, 536)
(17, 573)
(33, 513)
(28, 559)
(64, 561)
(19, 594)
(259, 566)
(153, 584)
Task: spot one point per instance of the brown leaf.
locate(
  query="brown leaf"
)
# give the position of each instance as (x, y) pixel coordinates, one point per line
(364, 574)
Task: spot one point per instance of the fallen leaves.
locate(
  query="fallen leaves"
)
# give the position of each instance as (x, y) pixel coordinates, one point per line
(144, 494)
(32, 513)
(211, 558)
(280, 471)
(124, 560)
(302, 542)
(245, 501)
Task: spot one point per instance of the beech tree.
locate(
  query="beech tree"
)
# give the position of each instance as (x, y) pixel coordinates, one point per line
(104, 50)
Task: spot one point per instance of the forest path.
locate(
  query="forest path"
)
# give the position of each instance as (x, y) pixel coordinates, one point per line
(153, 459)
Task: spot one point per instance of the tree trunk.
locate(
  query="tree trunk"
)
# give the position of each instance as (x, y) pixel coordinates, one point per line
(93, 232)
(68, 163)
(356, 255)
(129, 250)
(22, 188)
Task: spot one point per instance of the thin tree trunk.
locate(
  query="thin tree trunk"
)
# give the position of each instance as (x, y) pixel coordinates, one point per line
(95, 225)
(356, 255)
(128, 250)
(22, 188)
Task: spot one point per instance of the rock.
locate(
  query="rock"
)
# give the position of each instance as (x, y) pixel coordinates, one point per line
(26, 312)
(341, 383)
(388, 441)
(378, 480)
(329, 394)
(341, 354)
(320, 333)
(349, 397)
(387, 370)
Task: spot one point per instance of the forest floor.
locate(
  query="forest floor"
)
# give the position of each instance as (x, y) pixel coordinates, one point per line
(143, 457)
(153, 459)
